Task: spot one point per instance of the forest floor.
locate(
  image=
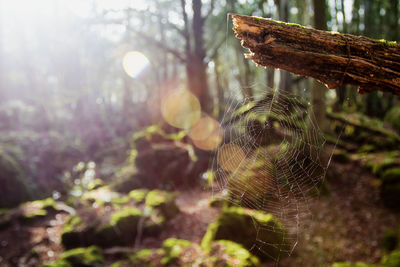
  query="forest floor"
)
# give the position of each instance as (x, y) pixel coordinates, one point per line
(348, 224)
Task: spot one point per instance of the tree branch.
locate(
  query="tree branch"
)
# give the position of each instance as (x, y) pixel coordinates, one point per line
(332, 58)
(159, 44)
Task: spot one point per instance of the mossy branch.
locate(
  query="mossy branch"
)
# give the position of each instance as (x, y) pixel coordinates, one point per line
(332, 58)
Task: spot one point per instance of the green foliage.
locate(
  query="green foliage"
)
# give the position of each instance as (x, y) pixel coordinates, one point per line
(393, 117)
(247, 227)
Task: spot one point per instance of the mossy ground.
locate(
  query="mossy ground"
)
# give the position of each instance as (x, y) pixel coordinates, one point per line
(248, 227)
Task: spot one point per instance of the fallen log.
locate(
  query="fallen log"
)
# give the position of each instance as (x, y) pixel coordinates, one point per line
(332, 58)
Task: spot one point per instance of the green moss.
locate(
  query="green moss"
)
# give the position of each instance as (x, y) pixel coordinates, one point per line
(143, 257)
(138, 195)
(173, 248)
(163, 201)
(249, 228)
(391, 175)
(123, 263)
(79, 257)
(124, 216)
(90, 256)
(390, 241)
(393, 117)
(388, 43)
(96, 183)
(74, 231)
(241, 255)
(59, 263)
(391, 260)
(121, 228)
(120, 200)
(37, 209)
(352, 264)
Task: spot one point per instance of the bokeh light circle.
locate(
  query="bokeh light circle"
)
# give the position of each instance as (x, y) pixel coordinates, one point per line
(181, 109)
(134, 63)
(206, 133)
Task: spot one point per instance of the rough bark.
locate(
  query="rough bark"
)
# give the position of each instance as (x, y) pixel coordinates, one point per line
(333, 59)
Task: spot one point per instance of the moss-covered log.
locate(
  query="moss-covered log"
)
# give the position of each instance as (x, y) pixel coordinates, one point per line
(332, 58)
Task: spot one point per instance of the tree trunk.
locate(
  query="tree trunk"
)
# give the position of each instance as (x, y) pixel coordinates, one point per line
(318, 89)
(195, 65)
(334, 59)
(283, 7)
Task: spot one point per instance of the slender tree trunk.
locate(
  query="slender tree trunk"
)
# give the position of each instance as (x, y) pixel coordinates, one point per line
(195, 65)
(283, 7)
(219, 86)
(270, 77)
(395, 26)
(318, 89)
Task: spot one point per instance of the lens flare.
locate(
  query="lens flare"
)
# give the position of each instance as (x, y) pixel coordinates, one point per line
(134, 63)
(206, 133)
(230, 156)
(181, 109)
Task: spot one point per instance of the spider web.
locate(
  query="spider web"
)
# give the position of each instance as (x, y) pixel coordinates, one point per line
(271, 159)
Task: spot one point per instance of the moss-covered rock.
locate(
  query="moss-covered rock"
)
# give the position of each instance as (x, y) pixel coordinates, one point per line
(353, 264)
(33, 210)
(138, 195)
(120, 230)
(249, 228)
(76, 232)
(392, 260)
(163, 201)
(172, 249)
(80, 257)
